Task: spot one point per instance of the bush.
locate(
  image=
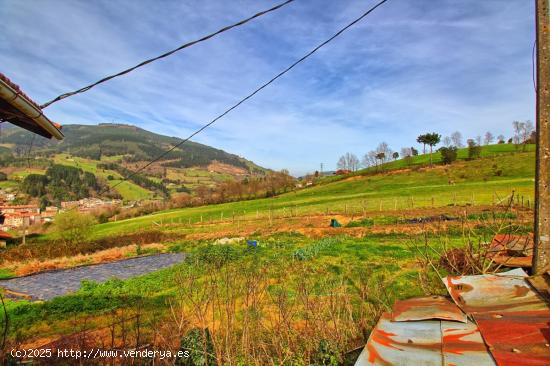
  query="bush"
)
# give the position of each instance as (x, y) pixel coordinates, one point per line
(73, 226)
(3, 176)
(474, 150)
(448, 154)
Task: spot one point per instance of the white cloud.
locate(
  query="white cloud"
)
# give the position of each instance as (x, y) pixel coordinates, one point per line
(408, 68)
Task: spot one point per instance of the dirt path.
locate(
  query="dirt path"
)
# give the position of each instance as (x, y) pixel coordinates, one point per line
(47, 285)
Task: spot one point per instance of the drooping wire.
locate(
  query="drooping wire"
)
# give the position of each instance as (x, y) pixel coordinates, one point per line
(257, 90)
(30, 150)
(534, 66)
(166, 54)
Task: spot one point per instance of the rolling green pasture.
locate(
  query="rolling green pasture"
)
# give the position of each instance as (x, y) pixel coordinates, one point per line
(128, 190)
(480, 182)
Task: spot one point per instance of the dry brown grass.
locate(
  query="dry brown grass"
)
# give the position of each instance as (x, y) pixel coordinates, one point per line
(23, 268)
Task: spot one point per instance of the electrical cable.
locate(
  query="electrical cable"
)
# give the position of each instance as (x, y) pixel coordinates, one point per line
(257, 90)
(166, 54)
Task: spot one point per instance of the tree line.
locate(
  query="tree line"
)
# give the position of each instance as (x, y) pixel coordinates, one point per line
(523, 133)
(138, 179)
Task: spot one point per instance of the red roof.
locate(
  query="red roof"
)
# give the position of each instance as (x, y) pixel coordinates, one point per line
(19, 109)
(5, 79)
(18, 206)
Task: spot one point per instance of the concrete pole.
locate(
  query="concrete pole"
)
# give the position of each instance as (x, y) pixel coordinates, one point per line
(541, 257)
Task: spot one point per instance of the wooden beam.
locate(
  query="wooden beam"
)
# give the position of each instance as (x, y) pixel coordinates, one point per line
(541, 257)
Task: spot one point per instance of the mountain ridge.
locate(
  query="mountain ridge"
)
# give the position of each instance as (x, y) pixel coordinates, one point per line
(131, 143)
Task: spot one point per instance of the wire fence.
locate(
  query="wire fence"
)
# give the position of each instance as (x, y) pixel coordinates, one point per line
(364, 207)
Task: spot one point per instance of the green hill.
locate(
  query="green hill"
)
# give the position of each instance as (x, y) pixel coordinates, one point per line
(110, 151)
(129, 142)
(477, 182)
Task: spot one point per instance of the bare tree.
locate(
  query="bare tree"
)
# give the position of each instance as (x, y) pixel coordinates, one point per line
(456, 137)
(341, 164)
(368, 159)
(478, 140)
(518, 128)
(528, 129)
(406, 152)
(353, 162)
(348, 162)
(447, 141)
(501, 139)
(384, 148)
(489, 138)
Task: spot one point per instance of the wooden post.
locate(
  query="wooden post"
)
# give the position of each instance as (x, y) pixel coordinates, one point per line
(541, 257)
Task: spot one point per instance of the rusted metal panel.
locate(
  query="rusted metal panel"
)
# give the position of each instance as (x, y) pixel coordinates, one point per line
(403, 343)
(423, 308)
(513, 245)
(512, 250)
(516, 262)
(506, 291)
(463, 345)
(517, 338)
(425, 342)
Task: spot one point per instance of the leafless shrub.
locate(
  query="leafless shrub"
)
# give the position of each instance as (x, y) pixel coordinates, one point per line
(474, 253)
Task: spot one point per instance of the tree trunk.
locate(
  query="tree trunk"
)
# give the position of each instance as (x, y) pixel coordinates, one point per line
(430, 155)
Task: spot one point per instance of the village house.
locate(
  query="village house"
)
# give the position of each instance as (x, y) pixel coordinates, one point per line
(10, 209)
(16, 216)
(89, 204)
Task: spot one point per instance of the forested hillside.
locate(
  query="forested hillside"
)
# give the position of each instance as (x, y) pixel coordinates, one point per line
(133, 143)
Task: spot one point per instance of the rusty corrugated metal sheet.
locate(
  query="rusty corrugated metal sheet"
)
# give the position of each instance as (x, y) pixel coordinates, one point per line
(463, 345)
(517, 338)
(507, 291)
(403, 343)
(426, 342)
(512, 250)
(423, 308)
(513, 245)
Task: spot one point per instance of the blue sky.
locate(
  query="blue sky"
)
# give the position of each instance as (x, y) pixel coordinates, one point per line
(408, 68)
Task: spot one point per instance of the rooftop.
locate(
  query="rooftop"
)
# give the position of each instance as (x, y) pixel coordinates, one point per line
(17, 108)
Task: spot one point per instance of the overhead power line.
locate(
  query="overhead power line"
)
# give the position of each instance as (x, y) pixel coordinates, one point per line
(186, 45)
(294, 64)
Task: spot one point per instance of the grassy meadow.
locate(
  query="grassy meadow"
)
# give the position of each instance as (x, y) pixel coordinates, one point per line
(308, 294)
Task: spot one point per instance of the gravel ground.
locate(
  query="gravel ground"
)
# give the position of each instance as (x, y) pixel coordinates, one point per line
(47, 285)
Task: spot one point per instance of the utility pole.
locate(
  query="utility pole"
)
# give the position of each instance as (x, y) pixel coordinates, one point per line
(321, 172)
(541, 255)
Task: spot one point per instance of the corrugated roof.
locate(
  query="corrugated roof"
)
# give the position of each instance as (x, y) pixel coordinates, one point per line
(517, 338)
(426, 342)
(500, 333)
(423, 308)
(506, 291)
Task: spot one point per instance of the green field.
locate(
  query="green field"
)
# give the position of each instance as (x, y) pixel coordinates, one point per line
(128, 190)
(484, 181)
(295, 294)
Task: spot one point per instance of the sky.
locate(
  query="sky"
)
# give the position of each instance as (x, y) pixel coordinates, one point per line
(410, 67)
